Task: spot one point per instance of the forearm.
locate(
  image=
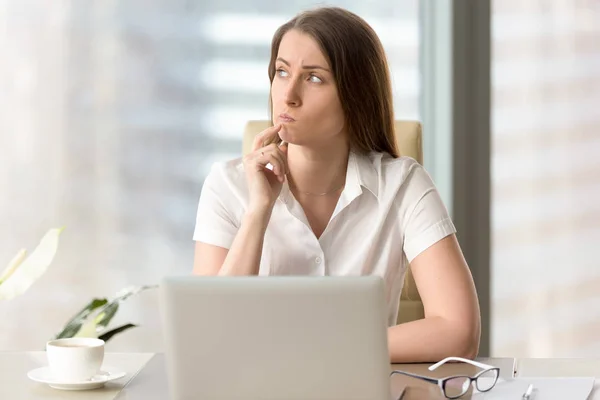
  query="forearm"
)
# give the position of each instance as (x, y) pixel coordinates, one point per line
(245, 252)
(431, 339)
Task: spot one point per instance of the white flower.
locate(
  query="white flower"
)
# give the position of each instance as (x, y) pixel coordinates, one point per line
(22, 272)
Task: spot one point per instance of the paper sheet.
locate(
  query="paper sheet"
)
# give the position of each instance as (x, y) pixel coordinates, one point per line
(544, 389)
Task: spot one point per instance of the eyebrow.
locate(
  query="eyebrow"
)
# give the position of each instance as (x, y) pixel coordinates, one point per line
(304, 66)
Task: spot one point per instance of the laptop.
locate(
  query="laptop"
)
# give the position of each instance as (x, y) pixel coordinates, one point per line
(275, 338)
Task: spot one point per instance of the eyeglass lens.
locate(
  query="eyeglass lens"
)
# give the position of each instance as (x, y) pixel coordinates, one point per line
(486, 380)
(456, 386)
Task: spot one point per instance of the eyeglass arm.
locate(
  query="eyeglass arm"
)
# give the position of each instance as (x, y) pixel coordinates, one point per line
(447, 359)
(425, 378)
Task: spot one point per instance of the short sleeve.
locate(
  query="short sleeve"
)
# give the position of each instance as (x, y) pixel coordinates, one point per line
(216, 223)
(426, 218)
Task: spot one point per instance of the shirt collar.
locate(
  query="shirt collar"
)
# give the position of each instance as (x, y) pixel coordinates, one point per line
(361, 173)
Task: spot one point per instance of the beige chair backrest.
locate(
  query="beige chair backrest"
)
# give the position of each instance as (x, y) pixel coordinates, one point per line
(409, 138)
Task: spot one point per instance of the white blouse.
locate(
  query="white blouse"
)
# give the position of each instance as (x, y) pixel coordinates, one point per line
(387, 214)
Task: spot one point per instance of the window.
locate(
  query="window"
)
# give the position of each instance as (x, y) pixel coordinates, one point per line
(545, 178)
(111, 114)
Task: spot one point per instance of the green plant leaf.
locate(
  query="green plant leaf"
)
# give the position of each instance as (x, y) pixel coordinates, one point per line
(109, 312)
(109, 334)
(95, 317)
(74, 325)
(87, 330)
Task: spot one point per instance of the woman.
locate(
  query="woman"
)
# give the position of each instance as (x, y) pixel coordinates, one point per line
(337, 198)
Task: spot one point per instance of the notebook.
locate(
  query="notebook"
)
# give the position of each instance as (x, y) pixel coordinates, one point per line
(577, 388)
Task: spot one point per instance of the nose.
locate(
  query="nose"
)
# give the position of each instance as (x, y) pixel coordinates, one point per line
(292, 95)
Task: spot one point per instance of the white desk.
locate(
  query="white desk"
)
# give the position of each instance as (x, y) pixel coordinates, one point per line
(146, 377)
(15, 385)
(557, 367)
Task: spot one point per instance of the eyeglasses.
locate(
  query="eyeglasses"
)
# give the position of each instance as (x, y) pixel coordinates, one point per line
(456, 386)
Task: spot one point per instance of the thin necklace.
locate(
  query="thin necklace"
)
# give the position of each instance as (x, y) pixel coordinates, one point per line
(316, 194)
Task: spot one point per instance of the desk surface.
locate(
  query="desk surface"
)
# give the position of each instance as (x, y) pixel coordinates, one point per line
(150, 383)
(14, 383)
(146, 378)
(557, 367)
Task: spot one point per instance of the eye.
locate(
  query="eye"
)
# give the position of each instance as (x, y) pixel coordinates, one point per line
(281, 73)
(315, 79)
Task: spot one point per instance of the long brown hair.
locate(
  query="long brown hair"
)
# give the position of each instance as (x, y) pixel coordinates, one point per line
(359, 65)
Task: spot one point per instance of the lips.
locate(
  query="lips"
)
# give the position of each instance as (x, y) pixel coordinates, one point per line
(286, 118)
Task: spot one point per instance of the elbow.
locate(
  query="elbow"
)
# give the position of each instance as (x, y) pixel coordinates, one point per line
(465, 346)
(469, 339)
(463, 338)
(469, 334)
(471, 351)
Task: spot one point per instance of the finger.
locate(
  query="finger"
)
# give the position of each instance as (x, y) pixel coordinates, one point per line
(265, 155)
(283, 147)
(264, 136)
(277, 152)
(278, 166)
(280, 171)
(282, 153)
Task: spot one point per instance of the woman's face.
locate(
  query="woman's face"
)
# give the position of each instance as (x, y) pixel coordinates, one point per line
(304, 89)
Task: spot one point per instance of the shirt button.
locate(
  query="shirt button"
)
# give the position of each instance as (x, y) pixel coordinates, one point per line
(318, 260)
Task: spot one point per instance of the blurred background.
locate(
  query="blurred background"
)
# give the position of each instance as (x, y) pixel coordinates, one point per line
(112, 112)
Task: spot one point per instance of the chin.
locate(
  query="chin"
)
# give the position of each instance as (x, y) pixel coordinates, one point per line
(286, 135)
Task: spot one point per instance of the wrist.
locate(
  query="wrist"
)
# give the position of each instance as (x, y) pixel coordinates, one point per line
(257, 216)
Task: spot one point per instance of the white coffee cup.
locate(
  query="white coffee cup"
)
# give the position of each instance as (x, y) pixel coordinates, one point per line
(75, 359)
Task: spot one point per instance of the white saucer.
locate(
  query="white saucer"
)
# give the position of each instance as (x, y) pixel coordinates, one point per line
(43, 375)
